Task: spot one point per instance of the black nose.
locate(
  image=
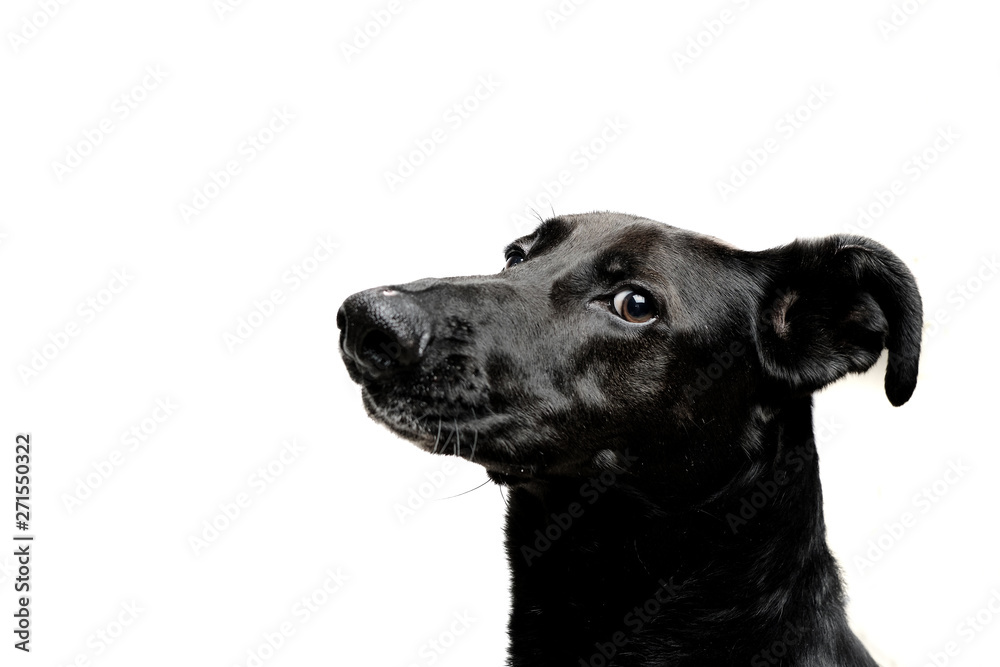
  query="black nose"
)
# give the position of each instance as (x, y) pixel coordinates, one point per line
(382, 330)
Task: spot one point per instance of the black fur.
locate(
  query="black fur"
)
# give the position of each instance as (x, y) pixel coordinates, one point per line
(665, 503)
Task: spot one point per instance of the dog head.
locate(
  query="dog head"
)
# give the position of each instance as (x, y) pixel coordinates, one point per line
(605, 334)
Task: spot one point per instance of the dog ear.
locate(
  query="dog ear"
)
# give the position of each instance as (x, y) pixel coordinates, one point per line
(831, 306)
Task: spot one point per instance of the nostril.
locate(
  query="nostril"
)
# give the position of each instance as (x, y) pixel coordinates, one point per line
(382, 333)
(379, 349)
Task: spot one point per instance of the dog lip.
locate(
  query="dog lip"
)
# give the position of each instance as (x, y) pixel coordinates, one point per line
(448, 436)
(435, 433)
(432, 425)
(429, 427)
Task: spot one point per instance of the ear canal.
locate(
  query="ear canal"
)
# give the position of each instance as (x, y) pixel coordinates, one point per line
(894, 288)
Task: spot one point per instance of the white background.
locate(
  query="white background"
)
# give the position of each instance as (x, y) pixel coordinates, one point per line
(335, 506)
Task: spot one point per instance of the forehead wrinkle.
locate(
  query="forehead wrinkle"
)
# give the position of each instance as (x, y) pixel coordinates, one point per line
(637, 251)
(651, 252)
(546, 236)
(601, 248)
(613, 254)
(703, 273)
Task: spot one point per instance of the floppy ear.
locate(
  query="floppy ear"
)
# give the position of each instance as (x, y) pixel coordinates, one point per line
(831, 306)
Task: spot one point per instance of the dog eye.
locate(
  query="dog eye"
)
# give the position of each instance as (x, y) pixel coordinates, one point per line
(633, 306)
(513, 258)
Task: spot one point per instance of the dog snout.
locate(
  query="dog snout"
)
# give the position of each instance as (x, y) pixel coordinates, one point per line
(382, 330)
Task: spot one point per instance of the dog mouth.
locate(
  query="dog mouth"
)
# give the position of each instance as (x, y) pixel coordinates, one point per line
(439, 416)
(429, 381)
(470, 431)
(438, 434)
(417, 419)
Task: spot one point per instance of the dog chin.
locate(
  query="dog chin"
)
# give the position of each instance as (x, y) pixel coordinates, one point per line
(425, 428)
(468, 439)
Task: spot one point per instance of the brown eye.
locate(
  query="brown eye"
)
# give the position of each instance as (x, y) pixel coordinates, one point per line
(633, 306)
(513, 259)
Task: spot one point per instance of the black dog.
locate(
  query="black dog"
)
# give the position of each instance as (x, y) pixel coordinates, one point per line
(644, 391)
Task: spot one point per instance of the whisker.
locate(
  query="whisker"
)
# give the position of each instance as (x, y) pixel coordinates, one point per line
(465, 492)
(444, 446)
(458, 439)
(438, 438)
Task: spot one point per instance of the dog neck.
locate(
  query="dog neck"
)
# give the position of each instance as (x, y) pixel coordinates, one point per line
(743, 576)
